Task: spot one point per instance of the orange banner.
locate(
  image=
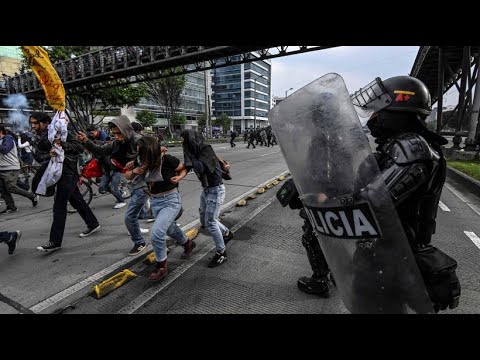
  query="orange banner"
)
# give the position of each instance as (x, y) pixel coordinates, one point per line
(38, 60)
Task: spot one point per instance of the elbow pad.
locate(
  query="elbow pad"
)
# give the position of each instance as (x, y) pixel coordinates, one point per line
(403, 180)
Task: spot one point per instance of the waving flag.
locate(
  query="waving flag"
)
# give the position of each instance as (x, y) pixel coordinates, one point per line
(51, 83)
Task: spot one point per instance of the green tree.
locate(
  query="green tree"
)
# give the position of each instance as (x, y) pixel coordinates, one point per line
(202, 120)
(166, 93)
(146, 118)
(86, 101)
(84, 105)
(224, 121)
(179, 119)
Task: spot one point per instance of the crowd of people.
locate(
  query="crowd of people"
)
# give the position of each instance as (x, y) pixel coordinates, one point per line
(125, 154)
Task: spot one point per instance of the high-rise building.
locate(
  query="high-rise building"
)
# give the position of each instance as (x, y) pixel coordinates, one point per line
(194, 102)
(10, 60)
(243, 92)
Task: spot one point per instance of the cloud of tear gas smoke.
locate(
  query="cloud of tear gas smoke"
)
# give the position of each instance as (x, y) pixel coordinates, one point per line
(16, 116)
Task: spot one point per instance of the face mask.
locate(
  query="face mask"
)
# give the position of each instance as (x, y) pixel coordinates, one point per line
(374, 125)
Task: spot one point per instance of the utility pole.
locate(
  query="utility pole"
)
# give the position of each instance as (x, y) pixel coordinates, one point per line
(209, 118)
(207, 111)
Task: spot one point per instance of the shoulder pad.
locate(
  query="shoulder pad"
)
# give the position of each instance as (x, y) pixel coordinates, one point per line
(408, 148)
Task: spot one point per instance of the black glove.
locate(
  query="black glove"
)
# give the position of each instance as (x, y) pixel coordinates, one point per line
(288, 195)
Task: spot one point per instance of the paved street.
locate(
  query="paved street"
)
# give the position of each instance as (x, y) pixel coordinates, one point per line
(264, 259)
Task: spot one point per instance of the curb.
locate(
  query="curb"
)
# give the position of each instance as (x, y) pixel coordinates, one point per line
(470, 183)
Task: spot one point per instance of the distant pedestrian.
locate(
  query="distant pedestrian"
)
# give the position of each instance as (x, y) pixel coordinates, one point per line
(251, 138)
(233, 135)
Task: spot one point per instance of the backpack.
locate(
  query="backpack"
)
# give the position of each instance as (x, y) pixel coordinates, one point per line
(225, 167)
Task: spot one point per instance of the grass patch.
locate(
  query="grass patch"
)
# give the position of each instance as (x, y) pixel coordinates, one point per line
(471, 168)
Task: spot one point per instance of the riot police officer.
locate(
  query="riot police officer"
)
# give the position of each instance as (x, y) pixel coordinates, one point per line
(411, 160)
(413, 167)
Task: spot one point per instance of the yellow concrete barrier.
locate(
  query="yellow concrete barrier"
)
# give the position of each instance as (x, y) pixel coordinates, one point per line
(242, 202)
(107, 286)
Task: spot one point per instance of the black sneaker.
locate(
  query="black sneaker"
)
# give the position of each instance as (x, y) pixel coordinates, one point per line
(49, 247)
(12, 243)
(8, 211)
(34, 200)
(228, 237)
(316, 286)
(89, 231)
(137, 249)
(218, 259)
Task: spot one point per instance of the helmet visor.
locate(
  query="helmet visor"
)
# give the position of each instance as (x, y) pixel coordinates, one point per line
(371, 98)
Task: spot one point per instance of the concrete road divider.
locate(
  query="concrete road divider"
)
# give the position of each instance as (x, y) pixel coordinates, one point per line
(112, 283)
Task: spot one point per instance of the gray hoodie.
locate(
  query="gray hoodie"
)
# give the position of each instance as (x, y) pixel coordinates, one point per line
(125, 126)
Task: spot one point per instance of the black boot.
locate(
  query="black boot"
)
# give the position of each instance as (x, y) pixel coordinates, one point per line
(316, 286)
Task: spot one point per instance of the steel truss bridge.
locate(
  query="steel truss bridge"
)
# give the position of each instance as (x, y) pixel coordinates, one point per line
(440, 68)
(122, 65)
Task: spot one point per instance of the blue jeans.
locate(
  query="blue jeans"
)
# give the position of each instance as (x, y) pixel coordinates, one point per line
(165, 209)
(137, 202)
(144, 212)
(210, 201)
(114, 181)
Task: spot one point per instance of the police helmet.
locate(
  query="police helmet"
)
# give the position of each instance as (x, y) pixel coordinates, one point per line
(399, 93)
(408, 94)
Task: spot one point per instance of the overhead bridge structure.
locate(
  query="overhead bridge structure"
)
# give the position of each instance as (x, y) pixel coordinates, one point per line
(121, 65)
(441, 68)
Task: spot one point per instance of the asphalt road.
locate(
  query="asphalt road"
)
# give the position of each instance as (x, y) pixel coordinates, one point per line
(265, 258)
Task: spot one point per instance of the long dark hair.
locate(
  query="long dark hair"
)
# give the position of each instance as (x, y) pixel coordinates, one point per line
(149, 152)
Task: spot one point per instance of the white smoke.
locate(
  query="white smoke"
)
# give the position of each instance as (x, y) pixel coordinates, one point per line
(16, 116)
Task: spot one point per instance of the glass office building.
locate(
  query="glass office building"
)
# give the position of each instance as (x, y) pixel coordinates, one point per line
(193, 104)
(242, 92)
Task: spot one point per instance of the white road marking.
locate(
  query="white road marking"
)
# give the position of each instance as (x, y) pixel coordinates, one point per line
(460, 196)
(270, 153)
(443, 206)
(474, 208)
(475, 239)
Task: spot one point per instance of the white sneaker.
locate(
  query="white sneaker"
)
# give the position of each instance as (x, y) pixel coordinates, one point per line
(119, 205)
(142, 230)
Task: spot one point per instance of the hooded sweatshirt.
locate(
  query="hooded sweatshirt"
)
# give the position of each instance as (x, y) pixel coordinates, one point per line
(201, 158)
(121, 151)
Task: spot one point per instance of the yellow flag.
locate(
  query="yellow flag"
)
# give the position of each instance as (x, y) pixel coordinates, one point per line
(40, 64)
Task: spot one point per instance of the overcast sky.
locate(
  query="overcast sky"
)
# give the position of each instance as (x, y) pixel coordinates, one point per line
(358, 65)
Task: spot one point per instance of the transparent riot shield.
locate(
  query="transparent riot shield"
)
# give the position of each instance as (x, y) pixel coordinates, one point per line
(347, 201)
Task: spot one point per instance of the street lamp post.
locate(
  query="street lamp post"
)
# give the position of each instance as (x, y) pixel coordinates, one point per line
(286, 92)
(255, 102)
